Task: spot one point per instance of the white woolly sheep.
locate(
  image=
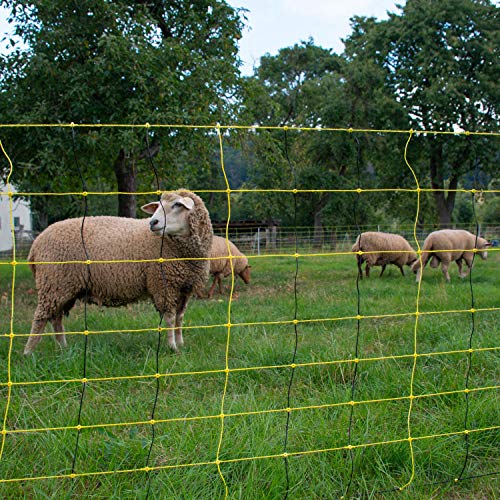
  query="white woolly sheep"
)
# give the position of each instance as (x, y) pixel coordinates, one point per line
(448, 245)
(399, 251)
(221, 267)
(179, 228)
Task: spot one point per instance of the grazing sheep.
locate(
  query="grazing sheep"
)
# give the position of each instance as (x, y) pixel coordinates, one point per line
(179, 228)
(221, 267)
(400, 252)
(450, 245)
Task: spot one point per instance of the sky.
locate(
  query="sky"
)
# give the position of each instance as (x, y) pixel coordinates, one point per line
(275, 24)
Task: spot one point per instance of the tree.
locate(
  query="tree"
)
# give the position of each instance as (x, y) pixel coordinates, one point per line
(441, 62)
(128, 62)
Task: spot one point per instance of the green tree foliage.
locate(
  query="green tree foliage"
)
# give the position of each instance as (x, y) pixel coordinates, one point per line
(97, 61)
(441, 62)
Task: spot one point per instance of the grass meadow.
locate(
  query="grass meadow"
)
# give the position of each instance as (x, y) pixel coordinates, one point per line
(190, 396)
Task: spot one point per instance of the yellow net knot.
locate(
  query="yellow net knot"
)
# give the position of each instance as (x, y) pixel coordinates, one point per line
(474, 250)
(288, 410)
(10, 194)
(295, 321)
(293, 365)
(72, 475)
(285, 127)
(146, 469)
(147, 125)
(72, 124)
(466, 391)
(419, 251)
(157, 375)
(152, 421)
(296, 255)
(84, 380)
(411, 131)
(352, 403)
(358, 317)
(466, 431)
(228, 325)
(350, 130)
(160, 329)
(222, 416)
(473, 191)
(360, 252)
(78, 427)
(410, 439)
(86, 332)
(470, 350)
(285, 455)
(456, 480)
(417, 313)
(226, 370)
(356, 360)
(295, 191)
(161, 260)
(472, 310)
(9, 384)
(85, 193)
(228, 190)
(88, 262)
(158, 192)
(4, 432)
(13, 263)
(217, 462)
(12, 335)
(359, 190)
(412, 397)
(467, 132)
(349, 446)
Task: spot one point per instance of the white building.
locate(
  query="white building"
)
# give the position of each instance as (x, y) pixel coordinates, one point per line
(21, 217)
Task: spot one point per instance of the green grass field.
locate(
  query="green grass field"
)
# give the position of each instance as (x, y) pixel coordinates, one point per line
(258, 382)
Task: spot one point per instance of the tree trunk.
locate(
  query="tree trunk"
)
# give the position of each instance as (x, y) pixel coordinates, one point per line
(318, 230)
(445, 201)
(127, 183)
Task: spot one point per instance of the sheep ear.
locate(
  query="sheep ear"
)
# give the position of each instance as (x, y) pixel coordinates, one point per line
(187, 202)
(150, 208)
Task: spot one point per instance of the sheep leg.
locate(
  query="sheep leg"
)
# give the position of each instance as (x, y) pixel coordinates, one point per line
(444, 268)
(219, 279)
(179, 317)
(36, 328)
(59, 330)
(367, 269)
(402, 270)
(360, 269)
(383, 269)
(170, 324)
(179, 341)
(212, 288)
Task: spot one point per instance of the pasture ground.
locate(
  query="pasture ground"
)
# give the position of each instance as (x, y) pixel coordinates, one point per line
(326, 289)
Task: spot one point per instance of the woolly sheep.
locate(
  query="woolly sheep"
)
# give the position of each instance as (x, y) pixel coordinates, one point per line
(221, 267)
(401, 253)
(179, 228)
(450, 245)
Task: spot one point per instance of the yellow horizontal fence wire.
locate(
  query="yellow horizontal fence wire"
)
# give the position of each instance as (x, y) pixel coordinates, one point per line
(411, 395)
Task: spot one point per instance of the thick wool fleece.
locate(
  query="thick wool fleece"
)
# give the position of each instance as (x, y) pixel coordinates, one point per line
(168, 284)
(373, 241)
(223, 265)
(454, 242)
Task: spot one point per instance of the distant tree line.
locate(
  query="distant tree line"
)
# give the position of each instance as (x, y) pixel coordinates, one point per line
(433, 65)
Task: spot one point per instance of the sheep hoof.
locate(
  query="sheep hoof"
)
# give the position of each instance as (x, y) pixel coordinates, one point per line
(27, 351)
(173, 348)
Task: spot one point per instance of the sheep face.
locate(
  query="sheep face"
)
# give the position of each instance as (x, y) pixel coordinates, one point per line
(483, 244)
(170, 216)
(245, 274)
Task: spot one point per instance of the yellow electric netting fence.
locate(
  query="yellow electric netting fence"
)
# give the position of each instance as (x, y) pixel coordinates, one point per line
(411, 395)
